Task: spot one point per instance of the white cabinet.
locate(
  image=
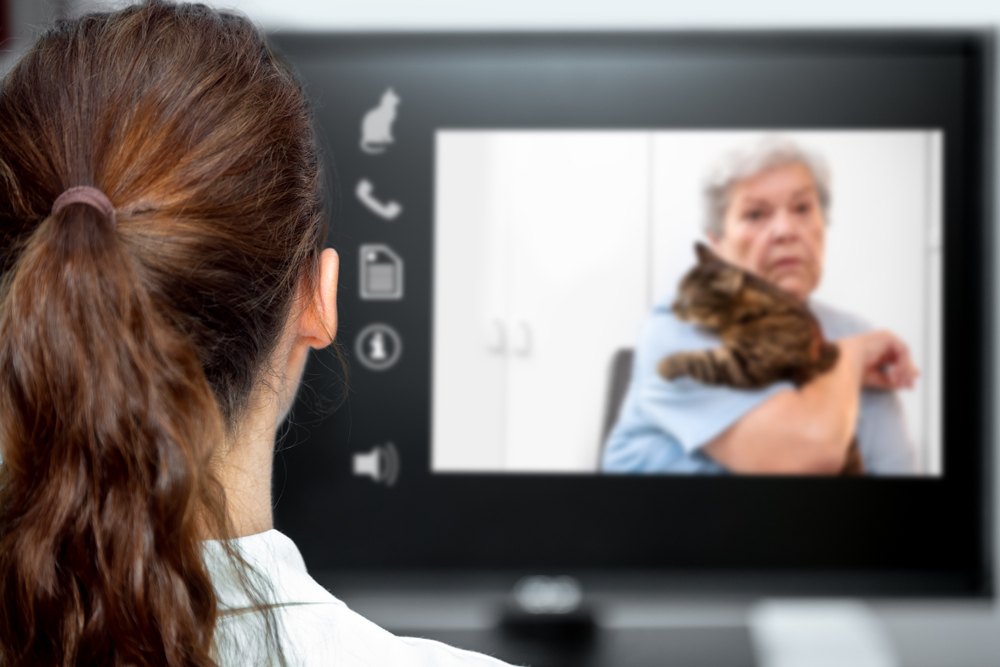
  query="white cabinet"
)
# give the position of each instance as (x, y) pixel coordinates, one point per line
(541, 273)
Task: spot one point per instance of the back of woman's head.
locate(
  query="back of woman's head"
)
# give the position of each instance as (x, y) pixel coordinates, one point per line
(130, 343)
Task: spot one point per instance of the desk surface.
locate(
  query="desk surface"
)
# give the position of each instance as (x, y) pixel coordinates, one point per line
(922, 634)
(943, 634)
(640, 647)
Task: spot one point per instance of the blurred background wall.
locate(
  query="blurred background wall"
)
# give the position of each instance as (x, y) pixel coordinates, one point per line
(24, 18)
(602, 14)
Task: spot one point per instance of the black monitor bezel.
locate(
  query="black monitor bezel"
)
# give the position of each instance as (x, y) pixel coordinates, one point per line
(578, 523)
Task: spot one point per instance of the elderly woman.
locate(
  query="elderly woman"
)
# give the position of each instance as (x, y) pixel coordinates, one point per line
(766, 212)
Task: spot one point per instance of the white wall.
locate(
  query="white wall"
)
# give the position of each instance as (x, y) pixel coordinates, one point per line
(603, 14)
(532, 294)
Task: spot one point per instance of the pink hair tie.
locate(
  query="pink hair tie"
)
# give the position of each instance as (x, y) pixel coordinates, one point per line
(89, 196)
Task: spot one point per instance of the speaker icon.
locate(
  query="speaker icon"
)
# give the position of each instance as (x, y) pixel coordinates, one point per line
(381, 464)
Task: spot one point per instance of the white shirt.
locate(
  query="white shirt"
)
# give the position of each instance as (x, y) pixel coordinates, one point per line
(315, 628)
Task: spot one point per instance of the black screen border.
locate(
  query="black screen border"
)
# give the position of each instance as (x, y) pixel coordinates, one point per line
(472, 523)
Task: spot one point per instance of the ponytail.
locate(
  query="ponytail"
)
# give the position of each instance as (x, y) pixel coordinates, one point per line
(129, 351)
(107, 424)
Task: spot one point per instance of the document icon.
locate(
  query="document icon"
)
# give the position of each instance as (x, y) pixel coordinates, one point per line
(381, 273)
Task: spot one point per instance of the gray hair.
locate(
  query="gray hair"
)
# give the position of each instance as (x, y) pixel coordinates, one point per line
(748, 161)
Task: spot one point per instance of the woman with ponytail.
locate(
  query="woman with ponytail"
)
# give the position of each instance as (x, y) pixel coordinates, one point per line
(162, 279)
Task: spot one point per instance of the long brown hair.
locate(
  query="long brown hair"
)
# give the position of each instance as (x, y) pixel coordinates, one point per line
(128, 352)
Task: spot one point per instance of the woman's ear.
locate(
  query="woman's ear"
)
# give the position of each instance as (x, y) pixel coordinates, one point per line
(318, 321)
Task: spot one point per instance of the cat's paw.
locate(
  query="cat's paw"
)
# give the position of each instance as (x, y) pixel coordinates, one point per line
(671, 368)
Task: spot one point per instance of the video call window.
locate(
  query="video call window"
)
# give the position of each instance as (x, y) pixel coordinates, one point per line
(559, 253)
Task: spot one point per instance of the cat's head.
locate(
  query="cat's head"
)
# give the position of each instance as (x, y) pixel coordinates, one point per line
(390, 98)
(717, 294)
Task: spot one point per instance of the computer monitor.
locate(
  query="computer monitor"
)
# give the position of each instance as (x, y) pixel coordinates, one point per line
(513, 210)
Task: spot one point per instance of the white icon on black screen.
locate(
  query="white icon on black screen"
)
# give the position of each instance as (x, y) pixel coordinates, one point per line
(376, 126)
(378, 347)
(381, 464)
(365, 191)
(381, 273)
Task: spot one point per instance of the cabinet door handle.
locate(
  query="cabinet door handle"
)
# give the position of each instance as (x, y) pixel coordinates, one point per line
(497, 343)
(522, 340)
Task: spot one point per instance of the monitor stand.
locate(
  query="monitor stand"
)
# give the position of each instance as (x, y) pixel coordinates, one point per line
(617, 647)
(549, 630)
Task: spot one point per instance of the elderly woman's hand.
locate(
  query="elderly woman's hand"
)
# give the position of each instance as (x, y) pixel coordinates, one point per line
(884, 360)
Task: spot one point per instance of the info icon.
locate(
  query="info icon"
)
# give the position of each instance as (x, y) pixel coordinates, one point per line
(378, 347)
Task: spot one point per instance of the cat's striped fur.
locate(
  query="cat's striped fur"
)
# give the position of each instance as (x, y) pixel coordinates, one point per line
(768, 335)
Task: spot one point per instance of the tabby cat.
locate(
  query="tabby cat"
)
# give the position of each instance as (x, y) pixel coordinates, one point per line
(767, 334)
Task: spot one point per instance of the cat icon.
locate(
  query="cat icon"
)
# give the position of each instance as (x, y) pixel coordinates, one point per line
(376, 127)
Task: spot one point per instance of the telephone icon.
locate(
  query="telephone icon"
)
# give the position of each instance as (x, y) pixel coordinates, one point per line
(366, 193)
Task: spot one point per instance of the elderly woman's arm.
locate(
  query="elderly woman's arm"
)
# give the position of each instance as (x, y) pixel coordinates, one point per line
(808, 431)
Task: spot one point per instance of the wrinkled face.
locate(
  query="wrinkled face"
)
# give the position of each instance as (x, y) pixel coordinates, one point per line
(774, 228)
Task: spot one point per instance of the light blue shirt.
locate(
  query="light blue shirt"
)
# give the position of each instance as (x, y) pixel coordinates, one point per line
(663, 424)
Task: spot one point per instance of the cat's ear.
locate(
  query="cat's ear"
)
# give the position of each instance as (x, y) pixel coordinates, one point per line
(729, 281)
(704, 253)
